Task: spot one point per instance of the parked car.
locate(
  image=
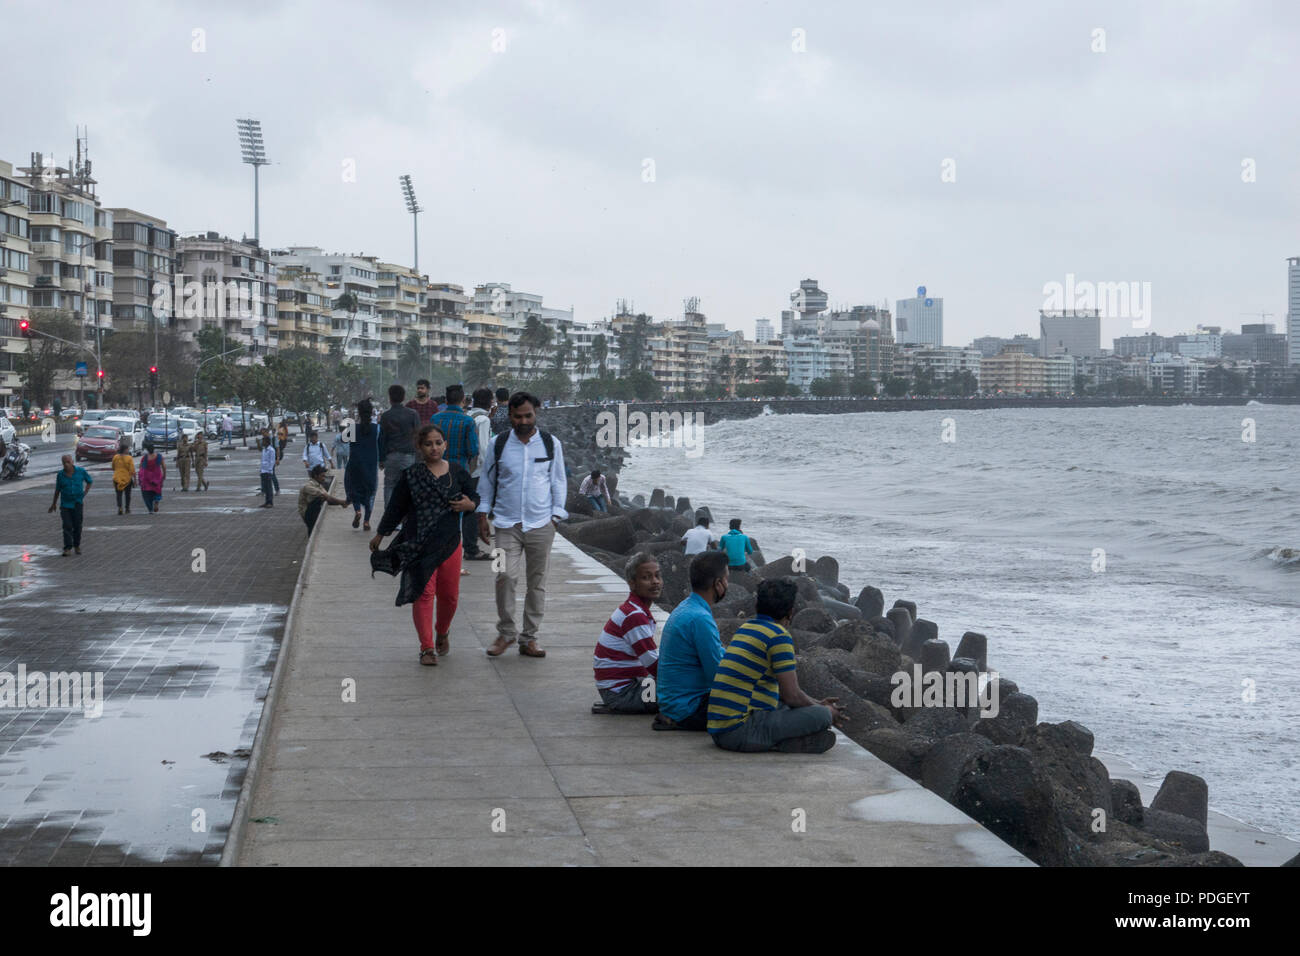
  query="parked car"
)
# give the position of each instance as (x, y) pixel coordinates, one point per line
(164, 429)
(189, 427)
(92, 417)
(73, 412)
(7, 433)
(131, 427)
(99, 443)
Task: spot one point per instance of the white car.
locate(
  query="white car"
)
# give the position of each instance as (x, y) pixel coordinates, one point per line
(7, 433)
(189, 427)
(131, 427)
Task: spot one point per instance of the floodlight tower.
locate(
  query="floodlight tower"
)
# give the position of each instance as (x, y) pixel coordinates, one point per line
(250, 141)
(414, 208)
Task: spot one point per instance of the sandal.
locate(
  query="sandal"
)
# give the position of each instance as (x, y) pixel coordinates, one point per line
(429, 657)
(443, 645)
(464, 573)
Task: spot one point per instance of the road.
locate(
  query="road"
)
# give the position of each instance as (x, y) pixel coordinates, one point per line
(181, 614)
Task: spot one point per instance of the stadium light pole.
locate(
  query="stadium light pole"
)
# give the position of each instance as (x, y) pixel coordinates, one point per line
(414, 208)
(250, 142)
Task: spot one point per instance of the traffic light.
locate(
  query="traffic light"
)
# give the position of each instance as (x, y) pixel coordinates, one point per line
(153, 376)
(25, 328)
(99, 374)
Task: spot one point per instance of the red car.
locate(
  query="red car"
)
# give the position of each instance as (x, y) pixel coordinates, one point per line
(100, 443)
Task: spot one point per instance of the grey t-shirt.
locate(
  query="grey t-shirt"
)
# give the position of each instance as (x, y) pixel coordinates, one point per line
(397, 430)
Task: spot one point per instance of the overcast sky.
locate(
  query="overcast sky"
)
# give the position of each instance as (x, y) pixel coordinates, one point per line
(770, 165)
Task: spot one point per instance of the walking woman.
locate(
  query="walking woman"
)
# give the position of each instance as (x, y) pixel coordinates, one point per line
(123, 476)
(428, 501)
(153, 472)
(361, 479)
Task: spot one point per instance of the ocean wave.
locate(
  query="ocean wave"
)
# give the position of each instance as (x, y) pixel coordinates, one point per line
(1283, 557)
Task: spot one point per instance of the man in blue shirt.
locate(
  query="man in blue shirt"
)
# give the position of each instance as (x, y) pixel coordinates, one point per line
(691, 648)
(736, 546)
(460, 429)
(70, 484)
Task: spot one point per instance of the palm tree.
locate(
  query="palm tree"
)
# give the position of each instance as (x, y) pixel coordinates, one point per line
(348, 303)
(411, 358)
(478, 368)
(600, 352)
(534, 340)
(581, 361)
(767, 366)
(742, 369)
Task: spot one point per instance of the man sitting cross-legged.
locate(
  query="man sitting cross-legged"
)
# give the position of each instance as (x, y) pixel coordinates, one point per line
(755, 703)
(626, 658)
(691, 648)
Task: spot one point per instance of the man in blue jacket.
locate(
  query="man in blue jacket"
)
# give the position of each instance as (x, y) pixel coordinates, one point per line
(691, 648)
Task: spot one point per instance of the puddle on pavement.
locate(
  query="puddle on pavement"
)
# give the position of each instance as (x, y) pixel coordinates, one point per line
(18, 574)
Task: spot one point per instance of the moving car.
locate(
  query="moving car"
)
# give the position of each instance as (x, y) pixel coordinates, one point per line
(164, 429)
(7, 433)
(92, 417)
(189, 427)
(99, 443)
(130, 427)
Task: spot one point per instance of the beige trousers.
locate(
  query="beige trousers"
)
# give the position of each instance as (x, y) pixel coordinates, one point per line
(532, 549)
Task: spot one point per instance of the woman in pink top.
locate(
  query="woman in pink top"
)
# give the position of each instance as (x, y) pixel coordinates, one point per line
(151, 475)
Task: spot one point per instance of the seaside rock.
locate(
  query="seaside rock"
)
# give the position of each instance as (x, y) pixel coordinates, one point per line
(877, 654)
(934, 657)
(1294, 861)
(674, 568)
(826, 569)
(841, 636)
(681, 524)
(870, 687)
(935, 723)
(1081, 782)
(813, 619)
(870, 602)
(883, 625)
(575, 519)
(684, 507)
(921, 632)
(815, 670)
(902, 621)
(616, 535)
(739, 601)
(657, 498)
(1185, 794)
(864, 716)
(963, 665)
(668, 503)
(1176, 830)
(910, 605)
(975, 646)
(638, 501)
(807, 589)
(653, 520)
(902, 751)
(727, 629)
(943, 764)
(806, 640)
(781, 567)
(837, 591)
(841, 611)
(1126, 802)
(703, 512)
(1004, 790)
(757, 558)
(737, 577)
(577, 504)
(614, 562)
(1017, 715)
(657, 547)
(1006, 687)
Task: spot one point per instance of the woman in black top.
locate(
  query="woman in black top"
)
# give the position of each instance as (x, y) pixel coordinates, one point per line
(428, 501)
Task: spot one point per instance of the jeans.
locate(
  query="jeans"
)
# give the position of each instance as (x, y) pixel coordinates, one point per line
(71, 518)
(394, 464)
(151, 499)
(359, 501)
(267, 488)
(764, 729)
(629, 700)
(469, 533)
(597, 503)
(313, 512)
(124, 496)
(341, 458)
(275, 481)
(532, 550)
(445, 586)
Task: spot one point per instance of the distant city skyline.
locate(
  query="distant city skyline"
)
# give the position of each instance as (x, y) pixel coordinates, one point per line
(1022, 155)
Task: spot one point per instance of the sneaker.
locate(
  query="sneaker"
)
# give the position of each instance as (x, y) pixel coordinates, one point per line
(66, 552)
(817, 743)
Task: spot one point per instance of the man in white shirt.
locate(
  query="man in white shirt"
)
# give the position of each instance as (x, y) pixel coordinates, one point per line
(698, 539)
(522, 490)
(315, 454)
(481, 414)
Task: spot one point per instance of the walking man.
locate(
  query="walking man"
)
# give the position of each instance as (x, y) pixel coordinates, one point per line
(228, 427)
(315, 454)
(423, 404)
(71, 484)
(522, 489)
(184, 459)
(501, 413)
(200, 453)
(480, 414)
(397, 429)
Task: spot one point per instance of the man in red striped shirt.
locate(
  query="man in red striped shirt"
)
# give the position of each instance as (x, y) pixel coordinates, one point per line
(627, 659)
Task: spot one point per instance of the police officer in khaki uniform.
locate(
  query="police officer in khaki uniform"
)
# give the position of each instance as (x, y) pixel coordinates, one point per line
(184, 458)
(199, 454)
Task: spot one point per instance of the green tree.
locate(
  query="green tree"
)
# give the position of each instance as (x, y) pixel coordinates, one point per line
(554, 383)
(634, 345)
(724, 373)
(862, 386)
(896, 386)
(767, 366)
(644, 386)
(479, 369)
(600, 354)
(46, 357)
(534, 341)
(742, 373)
(412, 361)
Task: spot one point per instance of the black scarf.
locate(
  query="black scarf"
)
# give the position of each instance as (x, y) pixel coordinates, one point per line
(430, 504)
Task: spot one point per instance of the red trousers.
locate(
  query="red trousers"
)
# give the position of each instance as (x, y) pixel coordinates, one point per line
(445, 586)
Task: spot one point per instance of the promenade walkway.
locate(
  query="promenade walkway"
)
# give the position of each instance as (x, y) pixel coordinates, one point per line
(480, 761)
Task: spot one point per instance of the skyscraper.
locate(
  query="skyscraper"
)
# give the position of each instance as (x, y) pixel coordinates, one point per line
(1076, 333)
(919, 320)
(1293, 310)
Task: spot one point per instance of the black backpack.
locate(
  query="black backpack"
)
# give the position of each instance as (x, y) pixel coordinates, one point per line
(499, 445)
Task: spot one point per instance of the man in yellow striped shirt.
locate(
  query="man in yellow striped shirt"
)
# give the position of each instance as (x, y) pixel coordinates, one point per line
(756, 703)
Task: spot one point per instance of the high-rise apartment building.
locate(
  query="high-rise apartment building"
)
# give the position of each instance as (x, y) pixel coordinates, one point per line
(919, 320)
(442, 319)
(1070, 332)
(228, 284)
(1293, 310)
(763, 331)
(359, 334)
(144, 273)
(305, 306)
(15, 284)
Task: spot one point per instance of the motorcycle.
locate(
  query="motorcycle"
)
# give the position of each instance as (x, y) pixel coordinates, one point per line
(15, 461)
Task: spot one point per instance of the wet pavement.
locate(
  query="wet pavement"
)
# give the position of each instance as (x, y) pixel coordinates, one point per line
(183, 643)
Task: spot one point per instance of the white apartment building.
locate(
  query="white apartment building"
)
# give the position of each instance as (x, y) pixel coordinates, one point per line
(1202, 344)
(15, 283)
(808, 358)
(763, 331)
(399, 299)
(1293, 310)
(919, 320)
(443, 323)
(228, 284)
(360, 335)
(144, 280)
(514, 309)
(1058, 374)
